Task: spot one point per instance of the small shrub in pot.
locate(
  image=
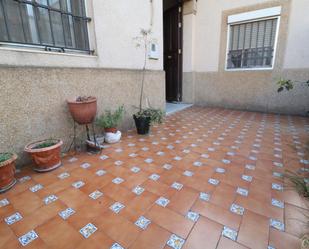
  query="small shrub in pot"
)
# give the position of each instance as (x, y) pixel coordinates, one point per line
(7, 171)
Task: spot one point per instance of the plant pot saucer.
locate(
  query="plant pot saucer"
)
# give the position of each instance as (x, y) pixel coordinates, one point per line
(47, 170)
(6, 188)
(99, 145)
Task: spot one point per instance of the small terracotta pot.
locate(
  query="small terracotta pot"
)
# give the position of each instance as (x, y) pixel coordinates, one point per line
(7, 174)
(45, 159)
(111, 130)
(83, 112)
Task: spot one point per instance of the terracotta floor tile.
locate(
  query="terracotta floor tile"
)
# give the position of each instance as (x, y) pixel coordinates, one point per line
(57, 233)
(295, 218)
(204, 228)
(217, 213)
(72, 197)
(118, 228)
(226, 243)
(254, 231)
(98, 240)
(283, 240)
(26, 202)
(118, 193)
(5, 233)
(154, 237)
(171, 221)
(224, 195)
(183, 200)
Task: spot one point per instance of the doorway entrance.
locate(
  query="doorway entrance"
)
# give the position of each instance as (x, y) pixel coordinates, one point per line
(172, 20)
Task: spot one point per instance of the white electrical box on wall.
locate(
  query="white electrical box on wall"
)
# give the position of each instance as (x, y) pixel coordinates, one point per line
(154, 51)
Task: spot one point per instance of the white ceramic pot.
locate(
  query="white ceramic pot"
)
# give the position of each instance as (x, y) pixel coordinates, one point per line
(112, 138)
(99, 139)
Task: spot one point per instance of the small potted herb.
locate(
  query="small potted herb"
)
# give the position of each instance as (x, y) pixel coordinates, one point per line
(45, 154)
(7, 171)
(145, 116)
(110, 120)
(83, 109)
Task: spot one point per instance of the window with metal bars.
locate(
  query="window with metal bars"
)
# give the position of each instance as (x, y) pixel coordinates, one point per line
(252, 44)
(55, 25)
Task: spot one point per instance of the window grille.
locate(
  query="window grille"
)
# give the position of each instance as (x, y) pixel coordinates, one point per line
(251, 45)
(52, 24)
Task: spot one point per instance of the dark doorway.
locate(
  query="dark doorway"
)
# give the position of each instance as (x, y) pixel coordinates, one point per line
(172, 19)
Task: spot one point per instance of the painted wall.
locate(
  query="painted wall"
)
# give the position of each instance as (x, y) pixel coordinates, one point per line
(112, 29)
(249, 90)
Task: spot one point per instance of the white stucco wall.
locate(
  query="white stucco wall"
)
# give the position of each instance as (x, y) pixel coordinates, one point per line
(113, 26)
(297, 50)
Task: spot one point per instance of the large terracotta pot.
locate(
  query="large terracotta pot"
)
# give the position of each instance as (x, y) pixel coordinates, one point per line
(45, 159)
(7, 174)
(83, 112)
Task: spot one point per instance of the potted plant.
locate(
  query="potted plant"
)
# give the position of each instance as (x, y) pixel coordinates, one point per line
(7, 171)
(45, 154)
(110, 120)
(145, 116)
(83, 109)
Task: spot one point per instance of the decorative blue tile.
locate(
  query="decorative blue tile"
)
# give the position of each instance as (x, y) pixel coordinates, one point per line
(154, 177)
(204, 196)
(211, 149)
(205, 156)
(277, 186)
(28, 238)
(271, 247)
(142, 222)
(229, 233)
(88, 230)
(246, 178)
(145, 149)
(100, 172)
(73, 159)
(231, 153)
(277, 164)
(133, 155)
(177, 185)
(167, 166)
(118, 150)
(149, 160)
(277, 203)
(138, 190)
(65, 214)
(170, 147)
(242, 191)
(85, 165)
(186, 151)
(237, 209)
(162, 202)
(225, 161)
(118, 163)
(213, 181)
(49, 199)
(277, 174)
(175, 242)
(220, 170)
(131, 145)
(63, 175)
(13, 218)
(188, 173)
(250, 167)
(116, 207)
(35, 188)
(116, 246)
(197, 164)
(192, 216)
(4, 202)
(135, 169)
(96, 194)
(104, 157)
(160, 153)
(276, 224)
(117, 180)
(24, 179)
(177, 158)
(78, 184)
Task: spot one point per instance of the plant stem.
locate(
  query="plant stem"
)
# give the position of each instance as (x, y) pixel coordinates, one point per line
(143, 73)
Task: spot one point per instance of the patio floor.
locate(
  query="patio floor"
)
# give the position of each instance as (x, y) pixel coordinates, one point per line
(207, 177)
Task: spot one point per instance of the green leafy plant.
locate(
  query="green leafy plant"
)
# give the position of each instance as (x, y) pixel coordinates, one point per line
(111, 119)
(299, 182)
(5, 156)
(286, 84)
(155, 115)
(44, 144)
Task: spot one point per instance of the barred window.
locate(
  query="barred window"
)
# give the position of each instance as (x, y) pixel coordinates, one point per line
(252, 44)
(55, 25)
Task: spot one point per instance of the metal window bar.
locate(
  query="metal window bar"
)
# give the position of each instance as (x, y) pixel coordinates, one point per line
(258, 54)
(49, 47)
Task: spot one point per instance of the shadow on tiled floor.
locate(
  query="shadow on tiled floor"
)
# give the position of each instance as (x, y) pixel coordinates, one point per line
(206, 178)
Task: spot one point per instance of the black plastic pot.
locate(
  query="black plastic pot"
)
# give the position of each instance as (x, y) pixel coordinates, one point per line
(142, 125)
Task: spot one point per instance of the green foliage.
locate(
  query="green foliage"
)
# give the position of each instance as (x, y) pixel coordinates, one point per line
(5, 156)
(299, 182)
(284, 84)
(110, 119)
(155, 115)
(45, 144)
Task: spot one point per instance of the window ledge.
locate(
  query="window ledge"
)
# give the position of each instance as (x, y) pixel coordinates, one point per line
(249, 69)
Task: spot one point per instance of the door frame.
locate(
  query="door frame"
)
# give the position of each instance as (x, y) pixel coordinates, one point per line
(179, 86)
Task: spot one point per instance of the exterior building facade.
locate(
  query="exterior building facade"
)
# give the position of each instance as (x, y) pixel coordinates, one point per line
(53, 50)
